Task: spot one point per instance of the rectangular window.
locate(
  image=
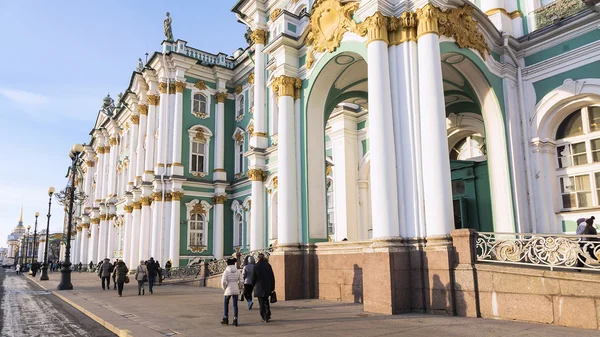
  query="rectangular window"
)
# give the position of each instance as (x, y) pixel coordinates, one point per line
(594, 118)
(595, 145)
(571, 155)
(240, 157)
(198, 157)
(196, 225)
(576, 191)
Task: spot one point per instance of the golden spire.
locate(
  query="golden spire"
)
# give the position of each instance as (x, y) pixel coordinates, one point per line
(21, 215)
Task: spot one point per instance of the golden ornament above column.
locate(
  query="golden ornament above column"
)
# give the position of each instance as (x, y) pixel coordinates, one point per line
(143, 109)
(297, 87)
(221, 97)
(136, 205)
(100, 150)
(329, 20)
(259, 36)
(128, 209)
(200, 85)
(176, 196)
(251, 78)
(180, 86)
(428, 17)
(162, 87)
(157, 196)
(375, 27)
(238, 89)
(459, 24)
(135, 119)
(168, 196)
(172, 88)
(220, 199)
(102, 217)
(113, 141)
(408, 24)
(274, 14)
(90, 163)
(95, 221)
(107, 149)
(257, 175)
(153, 99)
(284, 85)
(146, 201)
(84, 225)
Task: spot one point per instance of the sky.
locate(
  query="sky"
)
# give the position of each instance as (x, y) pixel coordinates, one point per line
(60, 58)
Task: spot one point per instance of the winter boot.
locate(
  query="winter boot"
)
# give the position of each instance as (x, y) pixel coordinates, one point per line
(225, 321)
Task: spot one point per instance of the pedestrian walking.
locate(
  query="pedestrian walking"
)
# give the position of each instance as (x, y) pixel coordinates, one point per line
(104, 273)
(18, 268)
(114, 274)
(152, 273)
(247, 275)
(91, 265)
(263, 281)
(80, 267)
(121, 271)
(141, 274)
(168, 266)
(231, 282)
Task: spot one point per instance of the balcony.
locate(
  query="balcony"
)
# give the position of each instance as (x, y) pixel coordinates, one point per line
(556, 11)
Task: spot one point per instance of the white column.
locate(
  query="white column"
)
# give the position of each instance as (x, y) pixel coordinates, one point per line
(543, 158)
(145, 226)
(40, 256)
(128, 230)
(153, 101)
(100, 172)
(344, 139)
(177, 168)
(162, 111)
(383, 156)
(106, 169)
(112, 167)
(175, 228)
(134, 257)
(287, 223)
(135, 121)
(259, 138)
(218, 225)
(112, 232)
(85, 244)
(257, 215)
(157, 205)
(434, 143)
(140, 160)
(219, 165)
(77, 248)
(61, 255)
(103, 233)
(94, 222)
(165, 234)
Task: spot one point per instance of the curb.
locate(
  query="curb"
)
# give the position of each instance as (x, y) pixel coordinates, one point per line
(107, 325)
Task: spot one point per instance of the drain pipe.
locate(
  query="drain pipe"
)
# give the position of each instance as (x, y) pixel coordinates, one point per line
(524, 132)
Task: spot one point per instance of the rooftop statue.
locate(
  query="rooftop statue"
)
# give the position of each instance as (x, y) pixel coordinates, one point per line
(168, 30)
(140, 66)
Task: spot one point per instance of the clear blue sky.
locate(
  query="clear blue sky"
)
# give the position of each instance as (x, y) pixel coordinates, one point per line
(59, 59)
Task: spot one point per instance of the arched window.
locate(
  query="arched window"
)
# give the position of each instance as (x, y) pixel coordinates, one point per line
(578, 158)
(238, 230)
(199, 146)
(240, 106)
(469, 147)
(196, 226)
(200, 104)
(251, 100)
(197, 223)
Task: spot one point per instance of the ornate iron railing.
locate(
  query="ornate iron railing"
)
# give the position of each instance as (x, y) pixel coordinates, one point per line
(187, 273)
(557, 10)
(216, 267)
(544, 250)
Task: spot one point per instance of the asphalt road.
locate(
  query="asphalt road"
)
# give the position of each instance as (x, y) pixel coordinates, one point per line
(29, 311)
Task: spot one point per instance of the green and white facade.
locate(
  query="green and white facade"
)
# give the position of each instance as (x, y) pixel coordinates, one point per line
(351, 120)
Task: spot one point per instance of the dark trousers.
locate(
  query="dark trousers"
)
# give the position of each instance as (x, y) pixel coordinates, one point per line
(150, 283)
(115, 280)
(140, 287)
(226, 306)
(265, 308)
(120, 287)
(248, 292)
(107, 280)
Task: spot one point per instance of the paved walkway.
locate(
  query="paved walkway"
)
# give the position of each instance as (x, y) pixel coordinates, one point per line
(191, 311)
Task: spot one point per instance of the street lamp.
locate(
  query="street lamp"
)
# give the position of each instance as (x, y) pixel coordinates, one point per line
(34, 236)
(65, 277)
(44, 276)
(27, 245)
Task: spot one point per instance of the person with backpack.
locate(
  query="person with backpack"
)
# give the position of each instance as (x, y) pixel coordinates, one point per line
(104, 273)
(247, 275)
(231, 282)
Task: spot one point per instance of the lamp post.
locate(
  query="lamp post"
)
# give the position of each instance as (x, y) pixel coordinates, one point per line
(65, 277)
(27, 246)
(44, 276)
(37, 214)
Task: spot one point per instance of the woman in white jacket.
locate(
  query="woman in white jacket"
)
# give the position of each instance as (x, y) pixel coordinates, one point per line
(231, 282)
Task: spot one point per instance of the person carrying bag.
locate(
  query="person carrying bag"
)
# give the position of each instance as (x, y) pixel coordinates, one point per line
(141, 276)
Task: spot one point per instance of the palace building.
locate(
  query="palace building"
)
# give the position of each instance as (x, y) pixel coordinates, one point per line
(350, 127)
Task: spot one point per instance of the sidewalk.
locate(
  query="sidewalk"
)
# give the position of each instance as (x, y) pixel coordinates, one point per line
(192, 311)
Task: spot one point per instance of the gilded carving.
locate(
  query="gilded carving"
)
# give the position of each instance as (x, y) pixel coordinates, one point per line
(162, 87)
(135, 119)
(176, 196)
(329, 20)
(284, 85)
(200, 85)
(172, 88)
(168, 196)
(153, 99)
(146, 201)
(113, 141)
(238, 90)
(95, 221)
(459, 24)
(375, 27)
(259, 36)
(136, 205)
(180, 86)
(198, 209)
(90, 163)
(143, 109)
(100, 150)
(297, 87)
(251, 78)
(221, 97)
(197, 249)
(257, 175)
(428, 17)
(107, 149)
(274, 14)
(220, 199)
(251, 130)
(239, 137)
(200, 136)
(102, 217)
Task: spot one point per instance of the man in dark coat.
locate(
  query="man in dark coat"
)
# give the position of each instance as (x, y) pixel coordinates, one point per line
(104, 273)
(152, 272)
(263, 281)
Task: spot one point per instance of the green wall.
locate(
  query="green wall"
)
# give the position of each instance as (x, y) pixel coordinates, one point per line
(564, 47)
(543, 87)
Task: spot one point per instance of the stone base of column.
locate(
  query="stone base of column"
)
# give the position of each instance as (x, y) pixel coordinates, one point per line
(386, 277)
(177, 169)
(288, 266)
(219, 174)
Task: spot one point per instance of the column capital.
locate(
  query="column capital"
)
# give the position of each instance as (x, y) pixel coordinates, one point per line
(136, 205)
(375, 27)
(157, 196)
(168, 196)
(162, 87)
(90, 163)
(102, 217)
(297, 87)
(259, 36)
(146, 201)
(135, 119)
(100, 150)
(221, 97)
(428, 17)
(113, 141)
(128, 208)
(94, 221)
(107, 149)
(251, 78)
(143, 109)
(408, 24)
(180, 86)
(257, 175)
(83, 225)
(176, 195)
(153, 99)
(220, 199)
(284, 85)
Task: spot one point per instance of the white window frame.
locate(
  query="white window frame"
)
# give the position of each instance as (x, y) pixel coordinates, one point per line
(248, 217)
(251, 99)
(192, 139)
(239, 139)
(189, 207)
(240, 110)
(208, 94)
(237, 208)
